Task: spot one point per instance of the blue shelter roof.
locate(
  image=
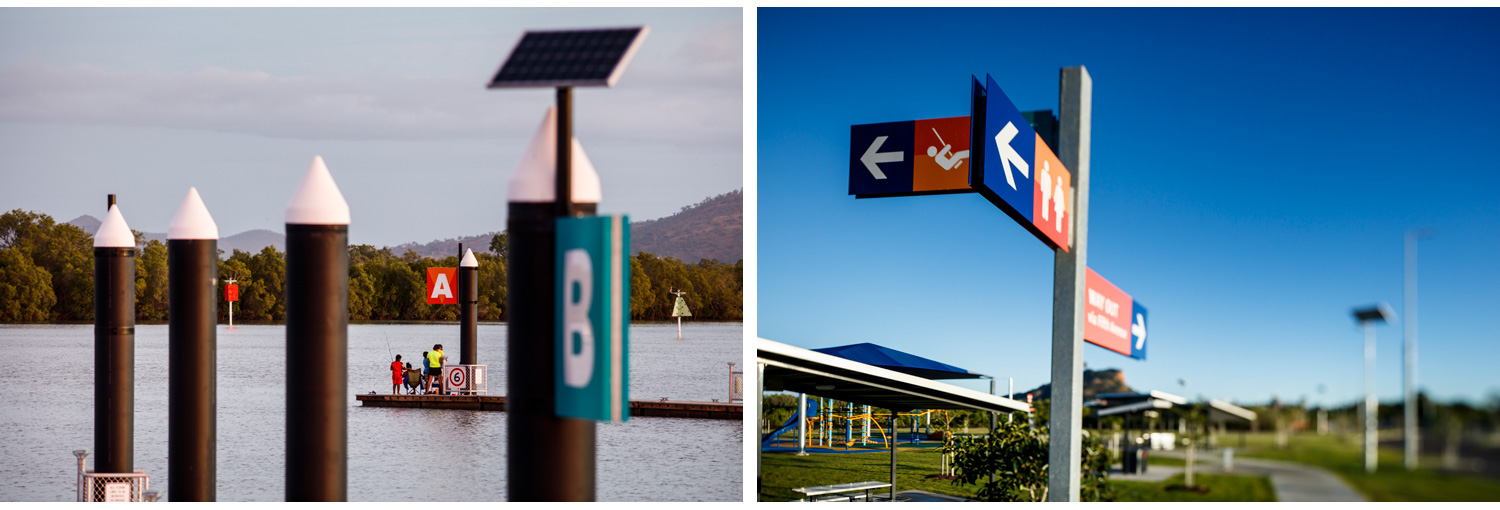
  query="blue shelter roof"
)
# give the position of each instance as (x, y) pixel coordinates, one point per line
(891, 359)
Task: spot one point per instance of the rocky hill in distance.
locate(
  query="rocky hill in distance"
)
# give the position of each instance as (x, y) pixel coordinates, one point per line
(1095, 382)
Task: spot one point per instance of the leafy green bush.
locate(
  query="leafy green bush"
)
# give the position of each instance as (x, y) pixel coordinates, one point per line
(1016, 454)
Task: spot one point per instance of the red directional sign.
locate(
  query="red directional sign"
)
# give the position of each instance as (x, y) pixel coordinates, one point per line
(442, 285)
(231, 292)
(1108, 315)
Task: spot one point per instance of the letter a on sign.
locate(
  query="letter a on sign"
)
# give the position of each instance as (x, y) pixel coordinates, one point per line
(440, 285)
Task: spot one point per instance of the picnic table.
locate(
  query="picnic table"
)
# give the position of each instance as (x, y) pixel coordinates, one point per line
(813, 492)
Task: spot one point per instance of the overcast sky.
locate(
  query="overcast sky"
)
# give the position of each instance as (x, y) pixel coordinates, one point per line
(144, 103)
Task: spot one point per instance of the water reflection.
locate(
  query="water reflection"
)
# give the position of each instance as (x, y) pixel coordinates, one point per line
(394, 454)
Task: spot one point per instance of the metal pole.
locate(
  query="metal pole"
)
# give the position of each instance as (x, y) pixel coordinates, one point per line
(801, 424)
(1411, 439)
(114, 345)
(1370, 404)
(192, 356)
(893, 454)
(548, 458)
(760, 448)
(1066, 422)
(317, 340)
(563, 193)
(468, 310)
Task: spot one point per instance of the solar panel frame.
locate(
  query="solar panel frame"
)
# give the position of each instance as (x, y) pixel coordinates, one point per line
(569, 58)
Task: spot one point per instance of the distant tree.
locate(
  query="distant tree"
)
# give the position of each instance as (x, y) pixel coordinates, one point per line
(25, 289)
(151, 300)
(65, 251)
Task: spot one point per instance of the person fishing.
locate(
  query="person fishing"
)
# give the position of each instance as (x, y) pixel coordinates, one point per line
(398, 375)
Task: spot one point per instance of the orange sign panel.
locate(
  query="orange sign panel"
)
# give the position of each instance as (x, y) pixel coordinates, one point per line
(442, 285)
(1051, 209)
(941, 161)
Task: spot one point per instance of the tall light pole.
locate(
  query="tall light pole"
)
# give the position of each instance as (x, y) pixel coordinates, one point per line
(1367, 316)
(1410, 438)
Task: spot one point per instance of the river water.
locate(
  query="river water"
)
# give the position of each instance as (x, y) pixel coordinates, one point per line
(46, 412)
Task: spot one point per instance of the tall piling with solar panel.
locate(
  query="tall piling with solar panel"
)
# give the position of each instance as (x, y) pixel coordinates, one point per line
(317, 339)
(192, 351)
(549, 457)
(114, 344)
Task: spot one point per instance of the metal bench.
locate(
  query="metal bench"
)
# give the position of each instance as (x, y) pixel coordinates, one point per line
(837, 490)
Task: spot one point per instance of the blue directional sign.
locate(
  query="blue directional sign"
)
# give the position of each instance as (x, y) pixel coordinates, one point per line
(592, 349)
(1138, 331)
(1009, 151)
(880, 158)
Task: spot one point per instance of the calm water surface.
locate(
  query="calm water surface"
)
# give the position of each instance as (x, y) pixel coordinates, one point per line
(46, 412)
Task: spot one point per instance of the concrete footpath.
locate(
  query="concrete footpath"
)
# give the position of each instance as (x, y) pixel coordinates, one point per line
(1292, 481)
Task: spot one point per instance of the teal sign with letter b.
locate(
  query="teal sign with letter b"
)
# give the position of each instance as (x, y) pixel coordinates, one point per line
(592, 350)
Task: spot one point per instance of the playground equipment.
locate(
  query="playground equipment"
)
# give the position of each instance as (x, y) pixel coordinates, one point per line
(835, 427)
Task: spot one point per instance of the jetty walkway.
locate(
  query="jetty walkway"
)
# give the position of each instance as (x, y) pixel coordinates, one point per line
(652, 408)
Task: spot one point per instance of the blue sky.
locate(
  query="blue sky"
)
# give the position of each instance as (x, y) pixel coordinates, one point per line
(147, 102)
(1252, 174)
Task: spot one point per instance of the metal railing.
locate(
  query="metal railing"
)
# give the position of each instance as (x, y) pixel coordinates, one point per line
(113, 487)
(473, 381)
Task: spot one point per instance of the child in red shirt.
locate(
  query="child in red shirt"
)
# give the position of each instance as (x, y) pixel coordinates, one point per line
(398, 375)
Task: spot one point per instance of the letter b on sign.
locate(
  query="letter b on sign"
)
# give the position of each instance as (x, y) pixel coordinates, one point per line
(578, 333)
(591, 369)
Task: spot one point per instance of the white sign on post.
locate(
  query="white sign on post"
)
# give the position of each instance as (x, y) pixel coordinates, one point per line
(117, 492)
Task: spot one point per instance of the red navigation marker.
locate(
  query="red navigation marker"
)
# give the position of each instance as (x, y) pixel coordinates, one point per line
(231, 292)
(442, 285)
(1107, 321)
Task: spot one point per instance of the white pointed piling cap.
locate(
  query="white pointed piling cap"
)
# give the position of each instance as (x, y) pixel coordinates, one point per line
(536, 179)
(469, 260)
(318, 201)
(114, 233)
(192, 220)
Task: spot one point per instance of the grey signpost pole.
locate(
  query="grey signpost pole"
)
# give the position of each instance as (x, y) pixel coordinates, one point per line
(1075, 98)
(802, 424)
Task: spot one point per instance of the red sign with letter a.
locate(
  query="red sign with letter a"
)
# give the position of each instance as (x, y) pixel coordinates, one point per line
(442, 285)
(231, 292)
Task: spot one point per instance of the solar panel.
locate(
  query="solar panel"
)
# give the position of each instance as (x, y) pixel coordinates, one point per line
(569, 58)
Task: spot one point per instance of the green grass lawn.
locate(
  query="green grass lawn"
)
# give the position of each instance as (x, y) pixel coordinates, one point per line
(1391, 482)
(784, 471)
(1221, 488)
(781, 472)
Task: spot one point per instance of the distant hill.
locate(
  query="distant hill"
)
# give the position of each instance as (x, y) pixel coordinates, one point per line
(710, 229)
(447, 247)
(1095, 382)
(251, 241)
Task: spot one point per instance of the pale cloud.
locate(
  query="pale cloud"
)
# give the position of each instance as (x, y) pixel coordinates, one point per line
(693, 96)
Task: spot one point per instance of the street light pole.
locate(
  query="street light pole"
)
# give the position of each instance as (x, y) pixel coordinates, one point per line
(1410, 437)
(1367, 317)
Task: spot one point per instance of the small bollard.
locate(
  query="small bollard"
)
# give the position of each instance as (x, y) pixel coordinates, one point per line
(150, 496)
(1228, 459)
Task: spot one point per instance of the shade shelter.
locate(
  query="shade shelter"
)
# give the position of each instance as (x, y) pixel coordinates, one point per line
(876, 376)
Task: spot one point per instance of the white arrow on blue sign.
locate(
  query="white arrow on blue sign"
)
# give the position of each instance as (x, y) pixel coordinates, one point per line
(1009, 153)
(1138, 331)
(880, 158)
